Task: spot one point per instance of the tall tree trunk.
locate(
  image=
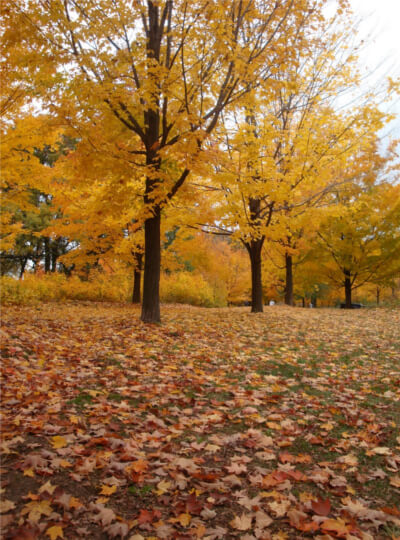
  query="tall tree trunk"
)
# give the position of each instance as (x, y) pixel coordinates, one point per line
(347, 288)
(378, 295)
(47, 255)
(54, 256)
(289, 280)
(152, 262)
(254, 249)
(136, 278)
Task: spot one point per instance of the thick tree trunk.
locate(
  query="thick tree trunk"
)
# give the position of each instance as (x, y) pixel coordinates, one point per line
(152, 262)
(254, 249)
(136, 279)
(289, 280)
(347, 289)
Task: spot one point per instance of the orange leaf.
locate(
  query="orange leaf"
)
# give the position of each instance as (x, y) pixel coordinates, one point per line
(140, 466)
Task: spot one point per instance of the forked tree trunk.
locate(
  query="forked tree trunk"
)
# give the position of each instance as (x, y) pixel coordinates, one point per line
(289, 280)
(254, 249)
(136, 279)
(347, 289)
(152, 261)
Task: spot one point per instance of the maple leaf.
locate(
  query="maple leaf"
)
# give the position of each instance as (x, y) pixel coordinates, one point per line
(280, 508)
(6, 506)
(263, 520)
(184, 519)
(55, 532)
(36, 509)
(48, 486)
(108, 490)
(58, 441)
(140, 466)
(145, 516)
(337, 526)
(242, 523)
(105, 515)
(322, 507)
(118, 529)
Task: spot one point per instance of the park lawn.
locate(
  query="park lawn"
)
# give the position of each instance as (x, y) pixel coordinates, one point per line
(216, 424)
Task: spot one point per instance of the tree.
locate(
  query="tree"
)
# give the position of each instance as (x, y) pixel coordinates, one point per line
(165, 70)
(362, 233)
(280, 152)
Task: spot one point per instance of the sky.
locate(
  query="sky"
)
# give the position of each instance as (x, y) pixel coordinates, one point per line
(380, 29)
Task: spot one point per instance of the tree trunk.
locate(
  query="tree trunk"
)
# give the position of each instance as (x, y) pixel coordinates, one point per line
(289, 280)
(347, 289)
(136, 279)
(22, 269)
(378, 295)
(152, 262)
(54, 257)
(303, 301)
(47, 255)
(254, 249)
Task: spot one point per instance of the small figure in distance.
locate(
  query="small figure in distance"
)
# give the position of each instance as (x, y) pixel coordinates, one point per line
(272, 302)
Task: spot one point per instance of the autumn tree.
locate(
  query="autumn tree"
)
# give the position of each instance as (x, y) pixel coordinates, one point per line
(164, 69)
(280, 152)
(361, 233)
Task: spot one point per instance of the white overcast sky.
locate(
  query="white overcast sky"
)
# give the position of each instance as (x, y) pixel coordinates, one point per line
(381, 22)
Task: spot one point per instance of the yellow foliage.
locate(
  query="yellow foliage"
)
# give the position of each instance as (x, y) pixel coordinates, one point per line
(186, 288)
(57, 287)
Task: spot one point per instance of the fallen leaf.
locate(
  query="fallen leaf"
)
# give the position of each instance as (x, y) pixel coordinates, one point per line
(55, 532)
(242, 523)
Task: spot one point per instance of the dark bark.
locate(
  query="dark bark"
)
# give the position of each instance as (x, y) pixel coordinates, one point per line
(289, 280)
(303, 301)
(23, 265)
(254, 249)
(347, 288)
(47, 255)
(136, 279)
(152, 262)
(378, 295)
(54, 257)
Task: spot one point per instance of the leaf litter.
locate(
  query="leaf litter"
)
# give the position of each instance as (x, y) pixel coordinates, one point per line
(216, 424)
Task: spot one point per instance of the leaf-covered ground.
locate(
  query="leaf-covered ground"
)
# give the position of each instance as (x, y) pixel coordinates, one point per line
(217, 424)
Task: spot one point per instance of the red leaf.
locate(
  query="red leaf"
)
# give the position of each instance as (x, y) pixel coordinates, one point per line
(145, 516)
(322, 507)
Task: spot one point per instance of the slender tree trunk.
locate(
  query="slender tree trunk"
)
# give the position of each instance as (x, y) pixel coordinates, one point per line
(136, 279)
(254, 249)
(303, 301)
(152, 262)
(47, 255)
(378, 295)
(289, 280)
(54, 257)
(347, 288)
(22, 269)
